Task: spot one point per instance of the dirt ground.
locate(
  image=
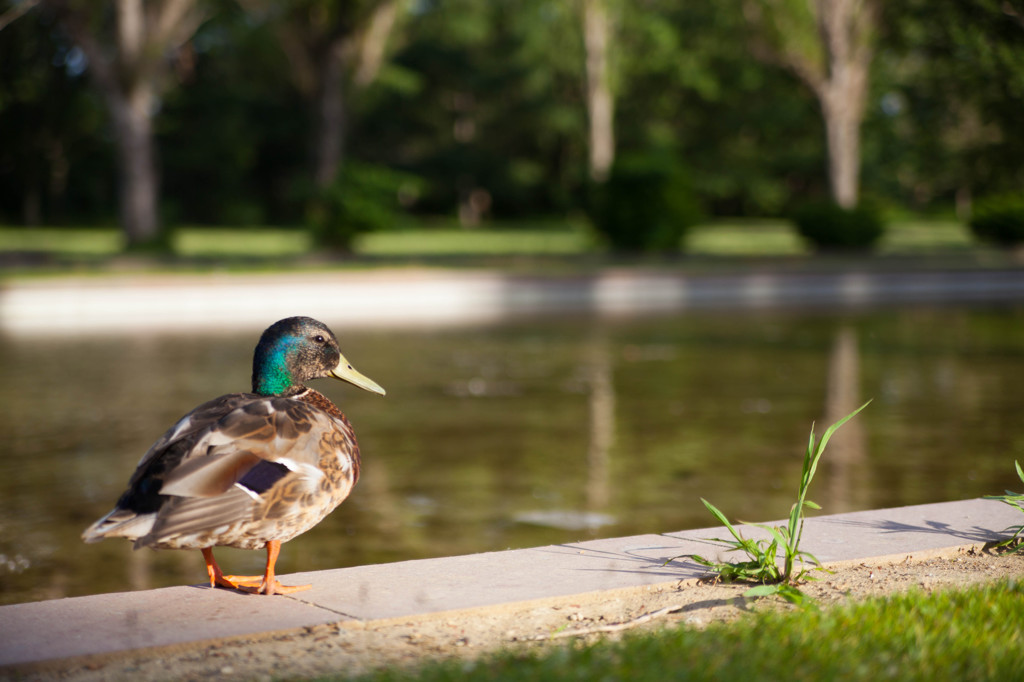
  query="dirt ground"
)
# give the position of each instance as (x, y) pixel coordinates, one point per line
(345, 649)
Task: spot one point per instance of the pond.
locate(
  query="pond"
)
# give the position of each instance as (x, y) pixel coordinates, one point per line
(526, 433)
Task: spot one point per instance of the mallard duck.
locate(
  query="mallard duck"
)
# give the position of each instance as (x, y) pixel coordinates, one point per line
(249, 470)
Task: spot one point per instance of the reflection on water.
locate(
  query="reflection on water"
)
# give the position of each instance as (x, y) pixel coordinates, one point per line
(526, 433)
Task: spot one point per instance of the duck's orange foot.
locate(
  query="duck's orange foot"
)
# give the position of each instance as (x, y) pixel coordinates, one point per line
(255, 584)
(224, 581)
(274, 587)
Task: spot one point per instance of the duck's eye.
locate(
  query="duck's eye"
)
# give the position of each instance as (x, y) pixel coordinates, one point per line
(319, 339)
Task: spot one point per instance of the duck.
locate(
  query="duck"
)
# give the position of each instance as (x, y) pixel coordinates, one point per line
(249, 470)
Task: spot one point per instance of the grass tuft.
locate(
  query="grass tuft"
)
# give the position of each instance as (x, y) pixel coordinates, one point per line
(1015, 500)
(762, 565)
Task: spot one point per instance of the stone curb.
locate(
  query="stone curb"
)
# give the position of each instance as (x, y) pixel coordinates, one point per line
(106, 624)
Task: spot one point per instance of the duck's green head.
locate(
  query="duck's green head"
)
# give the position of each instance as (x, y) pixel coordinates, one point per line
(297, 349)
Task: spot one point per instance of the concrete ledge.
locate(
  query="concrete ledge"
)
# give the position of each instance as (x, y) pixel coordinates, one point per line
(428, 297)
(109, 623)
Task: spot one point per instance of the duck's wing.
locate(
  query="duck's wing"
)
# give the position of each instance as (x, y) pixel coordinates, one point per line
(135, 511)
(217, 465)
(167, 452)
(247, 465)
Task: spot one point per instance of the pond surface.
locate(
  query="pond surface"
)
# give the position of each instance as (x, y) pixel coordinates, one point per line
(526, 433)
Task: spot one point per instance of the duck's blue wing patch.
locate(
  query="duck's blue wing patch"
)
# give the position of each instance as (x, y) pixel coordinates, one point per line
(263, 476)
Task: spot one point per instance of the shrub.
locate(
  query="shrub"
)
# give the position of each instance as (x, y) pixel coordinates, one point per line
(829, 227)
(999, 220)
(647, 204)
(364, 198)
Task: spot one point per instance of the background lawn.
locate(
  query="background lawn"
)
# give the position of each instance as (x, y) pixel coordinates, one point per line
(736, 238)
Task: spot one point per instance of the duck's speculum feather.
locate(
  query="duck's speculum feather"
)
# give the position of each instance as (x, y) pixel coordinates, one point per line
(263, 477)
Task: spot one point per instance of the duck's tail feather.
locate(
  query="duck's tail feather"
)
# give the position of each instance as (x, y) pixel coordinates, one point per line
(120, 523)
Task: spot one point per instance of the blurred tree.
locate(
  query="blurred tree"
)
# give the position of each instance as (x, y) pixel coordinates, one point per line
(50, 120)
(15, 11)
(332, 49)
(829, 45)
(491, 104)
(329, 45)
(233, 143)
(127, 48)
(486, 102)
(747, 131)
(597, 34)
(954, 99)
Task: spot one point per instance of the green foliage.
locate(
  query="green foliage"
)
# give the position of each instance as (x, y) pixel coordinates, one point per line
(955, 73)
(56, 162)
(793, 28)
(829, 227)
(363, 199)
(999, 220)
(970, 634)
(762, 566)
(496, 106)
(1015, 500)
(646, 204)
(681, 85)
(491, 96)
(234, 139)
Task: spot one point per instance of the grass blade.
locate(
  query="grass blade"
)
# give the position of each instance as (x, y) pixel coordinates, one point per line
(831, 430)
(721, 517)
(762, 591)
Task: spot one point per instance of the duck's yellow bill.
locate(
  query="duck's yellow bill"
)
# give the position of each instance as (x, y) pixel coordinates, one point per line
(346, 372)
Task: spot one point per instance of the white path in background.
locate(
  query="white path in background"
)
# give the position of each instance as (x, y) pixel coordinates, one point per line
(415, 297)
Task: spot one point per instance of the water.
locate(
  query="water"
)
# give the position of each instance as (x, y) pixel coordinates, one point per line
(526, 433)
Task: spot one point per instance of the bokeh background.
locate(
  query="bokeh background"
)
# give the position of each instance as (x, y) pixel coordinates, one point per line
(193, 159)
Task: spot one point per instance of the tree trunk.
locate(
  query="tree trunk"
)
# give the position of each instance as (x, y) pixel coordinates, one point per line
(329, 112)
(846, 28)
(322, 48)
(843, 111)
(830, 49)
(136, 156)
(129, 80)
(373, 45)
(600, 103)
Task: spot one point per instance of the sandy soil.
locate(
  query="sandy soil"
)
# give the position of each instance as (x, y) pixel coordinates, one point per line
(347, 649)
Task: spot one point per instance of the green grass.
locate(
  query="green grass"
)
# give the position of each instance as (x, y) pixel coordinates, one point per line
(259, 242)
(215, 242)
(211, 242)
(61, 241)
(971, 634)
(918, 236)
(777, 238)
(733, 238)
(745, 238)
(486, 242)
